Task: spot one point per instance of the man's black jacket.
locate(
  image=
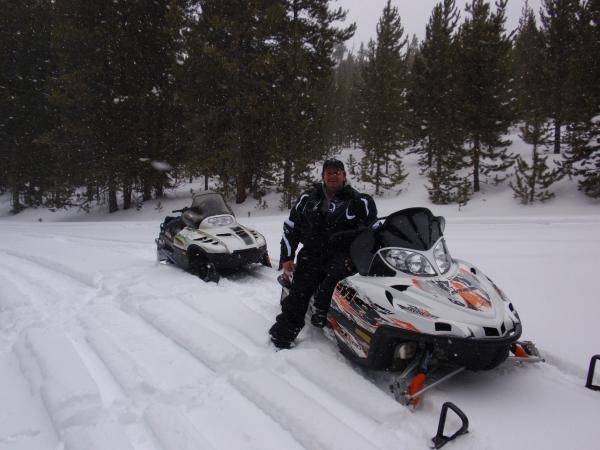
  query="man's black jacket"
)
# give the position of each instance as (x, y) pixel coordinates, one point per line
(314, 218)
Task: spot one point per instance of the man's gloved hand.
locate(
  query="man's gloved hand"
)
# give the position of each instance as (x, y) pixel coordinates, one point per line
(288, 269)
(349, 265)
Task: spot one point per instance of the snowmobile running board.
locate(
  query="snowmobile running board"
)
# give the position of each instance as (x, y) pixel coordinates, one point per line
(530, 359)
(528, 354)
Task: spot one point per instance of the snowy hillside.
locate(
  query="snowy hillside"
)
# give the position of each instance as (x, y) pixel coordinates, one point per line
(103, 348)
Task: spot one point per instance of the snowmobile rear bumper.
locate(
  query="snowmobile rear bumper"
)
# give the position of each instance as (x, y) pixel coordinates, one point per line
(474, 354)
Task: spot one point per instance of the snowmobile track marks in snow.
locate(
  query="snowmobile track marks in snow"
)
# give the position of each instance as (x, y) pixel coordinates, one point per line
(192, 333)
(150, 357)
(86, 279)
(311, 424)
(69, 393)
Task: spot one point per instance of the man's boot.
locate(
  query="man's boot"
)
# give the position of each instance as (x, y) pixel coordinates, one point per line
(319, 318)
(281, 337)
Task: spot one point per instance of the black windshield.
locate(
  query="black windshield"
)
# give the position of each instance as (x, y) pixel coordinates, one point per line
(413, 228)
(206, 205)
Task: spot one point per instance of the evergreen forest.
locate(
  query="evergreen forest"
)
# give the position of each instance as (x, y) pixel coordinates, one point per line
(114, 103)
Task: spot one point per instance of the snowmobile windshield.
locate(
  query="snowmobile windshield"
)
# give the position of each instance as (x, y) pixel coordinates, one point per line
(207, 205)
(412, 228)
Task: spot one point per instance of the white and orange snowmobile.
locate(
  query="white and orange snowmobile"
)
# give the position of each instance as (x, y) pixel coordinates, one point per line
(414, 310)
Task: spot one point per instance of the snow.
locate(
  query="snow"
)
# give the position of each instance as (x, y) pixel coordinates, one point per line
(103, 348)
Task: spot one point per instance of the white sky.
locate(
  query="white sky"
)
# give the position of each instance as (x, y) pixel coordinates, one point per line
(414, 14)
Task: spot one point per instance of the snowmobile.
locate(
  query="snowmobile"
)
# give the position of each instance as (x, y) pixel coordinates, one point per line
(415, 311)
(206, 239)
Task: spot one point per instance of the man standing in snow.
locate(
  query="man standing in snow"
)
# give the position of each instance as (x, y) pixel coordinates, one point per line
(323, 211)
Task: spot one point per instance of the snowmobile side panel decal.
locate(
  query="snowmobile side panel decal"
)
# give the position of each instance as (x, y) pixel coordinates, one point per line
(351, 342)
(365, 337)
(415, 310)
(472, 297)
(464, 289)
(402, 324)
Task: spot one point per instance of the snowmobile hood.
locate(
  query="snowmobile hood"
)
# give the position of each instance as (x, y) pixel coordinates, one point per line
(463, 302)
(221, 239)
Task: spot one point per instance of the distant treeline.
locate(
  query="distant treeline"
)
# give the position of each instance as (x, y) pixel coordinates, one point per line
(114, 102)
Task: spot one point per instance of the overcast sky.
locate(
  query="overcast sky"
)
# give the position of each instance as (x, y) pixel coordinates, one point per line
(414, 14)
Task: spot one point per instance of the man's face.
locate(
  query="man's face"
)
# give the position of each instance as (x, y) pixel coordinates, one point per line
(334, 179)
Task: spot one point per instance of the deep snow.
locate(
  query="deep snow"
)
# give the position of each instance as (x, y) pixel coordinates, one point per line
(103, 348)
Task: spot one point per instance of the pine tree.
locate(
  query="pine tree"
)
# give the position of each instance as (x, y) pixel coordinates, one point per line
(436, 108)
(345, 77)
(532, 181)
(158, 49)
(559, 25)
(582, 158)
(352, 166)
(27, 166)
(381, 103)
(486, 91)
(411, 52)
(231, 92)
(304, 64)
(112, 90)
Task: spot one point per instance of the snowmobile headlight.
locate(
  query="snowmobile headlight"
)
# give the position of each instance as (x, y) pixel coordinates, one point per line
(409, 262)
(220, 221)
(442, 257)
(406, 350)
(397, 258)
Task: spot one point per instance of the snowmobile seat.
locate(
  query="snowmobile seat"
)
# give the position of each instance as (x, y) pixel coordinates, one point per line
(173, 225)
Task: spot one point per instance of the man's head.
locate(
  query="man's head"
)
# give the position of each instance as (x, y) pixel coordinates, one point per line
(334, 175)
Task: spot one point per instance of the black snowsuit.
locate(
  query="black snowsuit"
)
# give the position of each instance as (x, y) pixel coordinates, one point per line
(322, 261)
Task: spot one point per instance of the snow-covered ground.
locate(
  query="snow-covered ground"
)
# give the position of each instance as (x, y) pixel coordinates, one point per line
(103, 348)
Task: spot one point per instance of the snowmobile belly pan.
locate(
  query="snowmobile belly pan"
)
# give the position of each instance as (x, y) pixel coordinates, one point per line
(472, 353)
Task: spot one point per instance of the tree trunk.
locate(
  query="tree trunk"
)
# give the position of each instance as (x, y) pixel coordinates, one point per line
(287, 181)
(206, 182)
(159, 189)
(89, 193)
(146, 189)
(557, 126)
(16, 201)
(436, 186)
(240, 189)
(127, 196)
(476, 156)
(112, 196)
(533, 173)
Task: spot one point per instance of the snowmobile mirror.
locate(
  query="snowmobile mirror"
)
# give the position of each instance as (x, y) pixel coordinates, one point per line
(442, 222)
(440, 440)
(590, 377)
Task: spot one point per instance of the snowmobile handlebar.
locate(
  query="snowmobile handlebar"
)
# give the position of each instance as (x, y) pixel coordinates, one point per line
(184, 209)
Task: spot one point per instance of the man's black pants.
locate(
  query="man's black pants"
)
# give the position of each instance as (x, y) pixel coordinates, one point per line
(315, 274)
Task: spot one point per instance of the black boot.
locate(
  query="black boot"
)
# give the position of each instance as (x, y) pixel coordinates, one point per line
(281, 337)
(319, 318)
